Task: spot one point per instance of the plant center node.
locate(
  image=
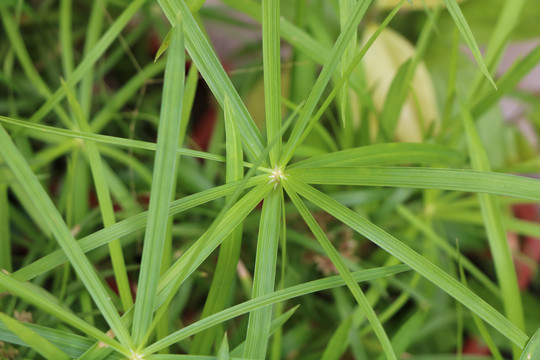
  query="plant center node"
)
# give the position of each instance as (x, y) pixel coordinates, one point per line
(136, 356)
(277, 175)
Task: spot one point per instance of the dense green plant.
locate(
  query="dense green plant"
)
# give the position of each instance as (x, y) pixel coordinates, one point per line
(322, 160)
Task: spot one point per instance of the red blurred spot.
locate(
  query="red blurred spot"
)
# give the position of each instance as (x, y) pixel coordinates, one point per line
(527, 212)
(473, 347)
(529, 246)
(202, 132)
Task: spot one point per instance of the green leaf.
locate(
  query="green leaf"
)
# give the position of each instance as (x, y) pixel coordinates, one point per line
(212, 71)
(496, 232)
(5, 238)
(123, 95)
(345, 8)
(532, 350)
(328, 70)
(73, 345)
(38, 130)
(423, 178)
(162, 184)
(228, 218)
(223, 353)
(188, 99)
(92, 57)
(386, 154)
(66, 40)
(219, 230)
(62, 234)
(479, 323)
(105, 202)
(465, 30)
(506, 83)
(277, 323)
(347, 75)
(272, 75)
(395, 98)
(301, 41)
(338, 342)
(17, 43)
(93, 30)
(404, 336)
(229, 251)
(442, 243)
(34, 340)
(28, 206)
(402, 82)
(509, 17)
(413, 259)
(164, 45)
(265, 274)
(129, 226)
(39, 298)
(338, 262)
(269, 299)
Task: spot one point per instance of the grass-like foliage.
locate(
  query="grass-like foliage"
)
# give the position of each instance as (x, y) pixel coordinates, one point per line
(353, 199)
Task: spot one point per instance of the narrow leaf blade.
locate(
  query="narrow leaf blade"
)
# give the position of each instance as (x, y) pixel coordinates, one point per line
(162, 185)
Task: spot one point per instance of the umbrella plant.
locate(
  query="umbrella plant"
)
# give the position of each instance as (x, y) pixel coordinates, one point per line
(343, 220)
